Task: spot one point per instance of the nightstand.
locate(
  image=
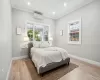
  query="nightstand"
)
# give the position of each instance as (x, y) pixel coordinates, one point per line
(24, 49)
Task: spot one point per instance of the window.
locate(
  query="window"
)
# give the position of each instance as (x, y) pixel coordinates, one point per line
(74, 32)
(37, 32)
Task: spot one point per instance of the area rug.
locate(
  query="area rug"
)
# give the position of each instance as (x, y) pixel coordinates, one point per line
(50, 75)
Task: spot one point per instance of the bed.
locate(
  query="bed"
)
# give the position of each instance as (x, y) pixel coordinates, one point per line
(46, 59)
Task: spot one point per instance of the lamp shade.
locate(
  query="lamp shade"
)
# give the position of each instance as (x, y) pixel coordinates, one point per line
(26, 38)
(51, 39)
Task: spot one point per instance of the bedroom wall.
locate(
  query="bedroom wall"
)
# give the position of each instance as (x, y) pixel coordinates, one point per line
(5, 38)
(19, 19)
(90, 47)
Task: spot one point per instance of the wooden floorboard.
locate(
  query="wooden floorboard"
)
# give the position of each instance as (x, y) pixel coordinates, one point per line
(85, 71)
(24, 70)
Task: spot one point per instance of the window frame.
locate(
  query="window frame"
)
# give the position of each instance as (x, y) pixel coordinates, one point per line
(36, 23)
(80, 33)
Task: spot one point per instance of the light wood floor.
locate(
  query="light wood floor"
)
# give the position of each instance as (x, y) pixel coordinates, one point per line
(85, 71)
(24, 74)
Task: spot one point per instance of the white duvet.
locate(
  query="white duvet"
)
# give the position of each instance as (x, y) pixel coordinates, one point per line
(43, 56)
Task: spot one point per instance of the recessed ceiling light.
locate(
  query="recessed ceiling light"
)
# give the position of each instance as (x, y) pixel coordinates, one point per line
(53, 13)
(29, 3)
(65, 4)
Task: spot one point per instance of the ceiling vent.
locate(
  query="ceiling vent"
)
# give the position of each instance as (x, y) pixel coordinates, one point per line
(38, 15)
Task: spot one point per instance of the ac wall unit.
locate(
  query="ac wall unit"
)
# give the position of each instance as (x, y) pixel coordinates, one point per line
(38, 15)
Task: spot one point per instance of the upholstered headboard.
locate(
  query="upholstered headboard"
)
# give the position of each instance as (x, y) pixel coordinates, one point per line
(30, 45)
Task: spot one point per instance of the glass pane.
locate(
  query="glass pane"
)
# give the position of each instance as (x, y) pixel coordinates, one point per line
(74, 36)
(46, 30)
(30, 31)
(38, 33)
(74, 31)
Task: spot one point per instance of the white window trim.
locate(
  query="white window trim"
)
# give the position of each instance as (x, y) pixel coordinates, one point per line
(80, 33)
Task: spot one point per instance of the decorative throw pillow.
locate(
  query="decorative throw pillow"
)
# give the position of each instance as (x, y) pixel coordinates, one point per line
(36, 44)
(44, 44)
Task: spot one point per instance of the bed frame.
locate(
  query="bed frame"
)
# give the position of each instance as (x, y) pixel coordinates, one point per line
(51, 65)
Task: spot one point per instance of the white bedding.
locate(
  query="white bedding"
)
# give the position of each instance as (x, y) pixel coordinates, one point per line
(43, 56)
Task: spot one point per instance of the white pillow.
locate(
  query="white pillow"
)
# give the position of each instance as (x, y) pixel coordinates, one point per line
(44, 44)
(36, 44)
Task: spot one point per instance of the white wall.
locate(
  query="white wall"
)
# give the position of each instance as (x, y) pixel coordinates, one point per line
(90, 47)
(19, 19)
(5, 38)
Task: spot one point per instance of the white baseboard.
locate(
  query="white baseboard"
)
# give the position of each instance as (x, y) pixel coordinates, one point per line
(21, 57)
(85, 60)
(8, 73)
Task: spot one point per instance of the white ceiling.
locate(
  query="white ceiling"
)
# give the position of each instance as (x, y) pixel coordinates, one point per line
(48, 7)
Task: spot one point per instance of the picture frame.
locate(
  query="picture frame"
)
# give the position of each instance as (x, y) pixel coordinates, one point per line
(18, 31)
